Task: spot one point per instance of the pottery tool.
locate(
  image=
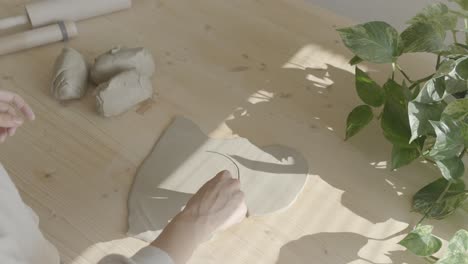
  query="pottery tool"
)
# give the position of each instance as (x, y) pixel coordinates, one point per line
(46, 12)
(230, 159)
(61, 31)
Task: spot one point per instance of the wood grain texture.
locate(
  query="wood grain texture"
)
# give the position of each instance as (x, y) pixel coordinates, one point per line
(274, 72)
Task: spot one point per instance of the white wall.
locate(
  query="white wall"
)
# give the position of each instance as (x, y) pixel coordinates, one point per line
(394, 12)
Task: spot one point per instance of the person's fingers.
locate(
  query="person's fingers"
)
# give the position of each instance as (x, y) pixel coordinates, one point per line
(240, 215)
(18, 102)
(12, 131)
(7, 108)
(222, 175)
(227, 174)
(3, 134)
(241, 212)
(217, 182)
(234, 213)
(233, 185)
(7, 120)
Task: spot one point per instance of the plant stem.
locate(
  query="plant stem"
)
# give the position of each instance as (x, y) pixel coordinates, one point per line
(438, 62)
(429, 160)
(442, 195)
(454, 34)
(420, 81)
(466, 27)
(432, 259)
(457, 193)
(458, 13)
(404, 73)
(462, 153)
(393, 71)
(462, 45)
(380, 116)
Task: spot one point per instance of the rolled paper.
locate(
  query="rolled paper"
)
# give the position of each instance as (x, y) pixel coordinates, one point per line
(10, 22)
(41, 13)
(37, 37)
(46, 12)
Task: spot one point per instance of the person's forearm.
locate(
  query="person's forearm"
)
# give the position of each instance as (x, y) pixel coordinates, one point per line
(181, 237)
(218, 205)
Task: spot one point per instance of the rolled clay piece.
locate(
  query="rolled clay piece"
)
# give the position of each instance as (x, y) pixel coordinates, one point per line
(122, 92)
(70, 76)
(118, 60)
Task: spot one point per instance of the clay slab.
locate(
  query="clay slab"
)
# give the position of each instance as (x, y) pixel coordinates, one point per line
(184, 159)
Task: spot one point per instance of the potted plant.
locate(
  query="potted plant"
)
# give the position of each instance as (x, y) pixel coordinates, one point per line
(423, 119)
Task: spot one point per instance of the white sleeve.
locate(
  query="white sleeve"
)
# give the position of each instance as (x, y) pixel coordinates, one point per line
(21, 241)
(148, 255)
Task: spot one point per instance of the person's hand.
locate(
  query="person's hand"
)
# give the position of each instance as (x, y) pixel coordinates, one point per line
(13, 110)
(218, 205)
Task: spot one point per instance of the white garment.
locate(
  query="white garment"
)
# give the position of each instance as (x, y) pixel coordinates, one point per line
(21, 241)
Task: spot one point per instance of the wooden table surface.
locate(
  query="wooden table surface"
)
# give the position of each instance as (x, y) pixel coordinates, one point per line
(273, 71)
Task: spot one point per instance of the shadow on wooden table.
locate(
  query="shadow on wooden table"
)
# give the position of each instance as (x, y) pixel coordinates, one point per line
(312, 115)
(318, 122)
(297, 105)
(342, 248)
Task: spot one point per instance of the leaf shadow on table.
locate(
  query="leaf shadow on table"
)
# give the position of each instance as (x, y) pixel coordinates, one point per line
(358, 168)
(342, 248)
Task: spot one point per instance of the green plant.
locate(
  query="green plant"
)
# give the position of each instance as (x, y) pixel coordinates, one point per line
(425, 118)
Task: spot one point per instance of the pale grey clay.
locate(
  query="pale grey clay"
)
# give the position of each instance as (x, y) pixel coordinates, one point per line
(118, 60)
(70, 79)
(122, 92)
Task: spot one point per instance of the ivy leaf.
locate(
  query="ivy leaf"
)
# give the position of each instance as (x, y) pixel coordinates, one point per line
(431, 23)
(455, 86)
(406, 91)
(374, 41)
(454, 51)
(460, 70)
(459, 243)
(425, 198)
(445, 68)
(451, 169)
(423, 37)
(421, 242)
(449, 141)
(355, 60)
(457, 252)
(460, 13)
(432, 91)
(463, 3)
(437, 13)
(455, 69)
(395, 122)
(420, 115)
(457, 110)
(403, 156)
(415, 92)
(368, 90)
(358, 119)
